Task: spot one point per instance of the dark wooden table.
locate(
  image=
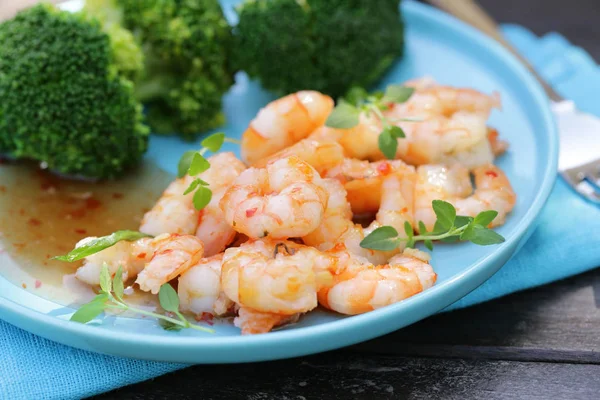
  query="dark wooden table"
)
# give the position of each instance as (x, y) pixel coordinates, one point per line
(541, 344)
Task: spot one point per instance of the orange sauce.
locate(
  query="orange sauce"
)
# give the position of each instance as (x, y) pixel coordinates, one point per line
(42, 216)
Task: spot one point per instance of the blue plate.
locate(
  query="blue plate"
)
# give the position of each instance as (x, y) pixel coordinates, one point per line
(437, 45)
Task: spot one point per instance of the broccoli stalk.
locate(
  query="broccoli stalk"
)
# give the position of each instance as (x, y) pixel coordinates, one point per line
(325, 45)
(186, 47)
(65, 100)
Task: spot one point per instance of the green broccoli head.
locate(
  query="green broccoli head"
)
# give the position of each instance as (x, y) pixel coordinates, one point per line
(128, 56)
(63, 101)
(186, 48)
(325, 45)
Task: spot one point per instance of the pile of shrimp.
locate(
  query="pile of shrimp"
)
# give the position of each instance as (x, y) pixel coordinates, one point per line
(278, 238)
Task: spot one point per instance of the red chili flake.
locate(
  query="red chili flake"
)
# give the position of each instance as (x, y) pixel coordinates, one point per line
(492, 174)
(2, 189)
(76, 214)
(38, 283)
(141, 255)
(205, 317)
(92, 203)
(24, 285)
(385, 168)
(34, 222)
(118, 196)
(80, 231)
(250, 212)
(404, 209)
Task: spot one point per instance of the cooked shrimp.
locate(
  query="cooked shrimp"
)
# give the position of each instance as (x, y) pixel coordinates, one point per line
(175, 213)
(322, 154)
(252, 322)
(450, 122)
(130, 256)
(173, 255)
(453, 184)
(361, 141)
(272, 280)
(359, 286)
(213, 229)
(283, 200)
(396, 208)
(199, 288)
(498, 146)
(284, 122)
(363, 180)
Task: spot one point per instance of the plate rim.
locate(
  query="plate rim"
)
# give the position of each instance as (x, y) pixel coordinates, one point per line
(333, 334)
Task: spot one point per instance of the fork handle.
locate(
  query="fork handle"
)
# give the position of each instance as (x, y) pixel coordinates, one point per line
(472, 13)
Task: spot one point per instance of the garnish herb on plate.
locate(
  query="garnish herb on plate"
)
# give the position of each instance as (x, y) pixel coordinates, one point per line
(448, 227)
(111, 298)
(98, 244)
(346, 114)
(194, 163)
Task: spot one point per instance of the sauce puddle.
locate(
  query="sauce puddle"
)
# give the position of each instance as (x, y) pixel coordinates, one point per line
(42, 216)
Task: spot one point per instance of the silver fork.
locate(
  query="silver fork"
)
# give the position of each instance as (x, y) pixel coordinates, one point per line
(579, 155)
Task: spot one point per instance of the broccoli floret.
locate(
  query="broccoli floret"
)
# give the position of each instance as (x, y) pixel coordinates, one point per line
(325, 45)
(63, 101)
(186, 47)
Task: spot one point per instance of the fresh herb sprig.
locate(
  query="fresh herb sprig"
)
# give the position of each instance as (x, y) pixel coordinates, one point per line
(111, 298)
(98, 244)
(448, 227)
(346, 114)
(193, 163)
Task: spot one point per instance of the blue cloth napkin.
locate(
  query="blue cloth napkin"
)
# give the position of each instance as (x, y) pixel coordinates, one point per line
(564, 244)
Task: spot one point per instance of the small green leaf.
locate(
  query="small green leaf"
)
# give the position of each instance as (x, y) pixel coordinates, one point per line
(410, 244)
(105, 281)
(422, 228)
(99, 244)
(396, 132)
(481, 235)
(355, 96)
(445, 213)
(397, 94)
(202, 197)
(199, 164)
(484, 218)
(408, 229)
(343, 116)
(167, 296)
(384, 238)
(184, 163)
(192, 186)
(91, 310)
(387, 144)
(428, 244)
(461, 221)
(117, 283)
(169, 326)
(450, 239)
(214, 142)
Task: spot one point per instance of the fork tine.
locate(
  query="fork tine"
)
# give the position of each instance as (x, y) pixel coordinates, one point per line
(585, 180)
(588, 191)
